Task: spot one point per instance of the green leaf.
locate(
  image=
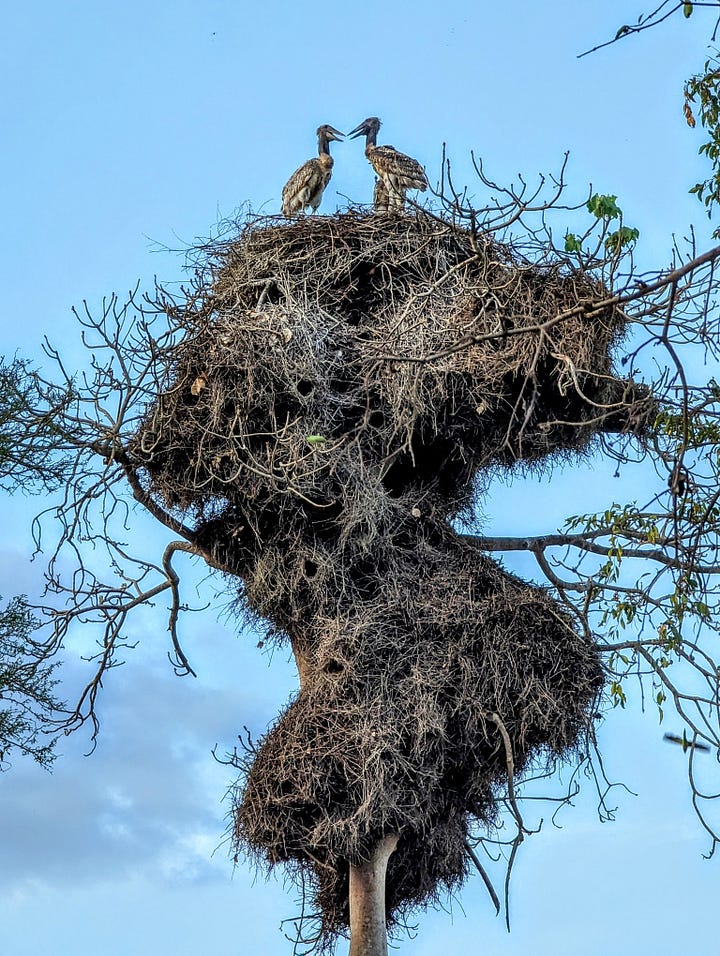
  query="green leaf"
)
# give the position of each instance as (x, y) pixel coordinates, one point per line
(572, 242)
(622, 237)
(617, 694)
(604, 207)
(687, 10)
(315, 439)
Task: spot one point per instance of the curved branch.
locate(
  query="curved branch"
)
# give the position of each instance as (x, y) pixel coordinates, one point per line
(485, 878)
(658, 16)
(174, 582)
(584, 542)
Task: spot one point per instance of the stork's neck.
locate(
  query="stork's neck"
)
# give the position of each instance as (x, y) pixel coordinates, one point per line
(323, 145)
(370, 139)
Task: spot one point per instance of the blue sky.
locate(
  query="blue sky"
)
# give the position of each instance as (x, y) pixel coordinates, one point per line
(130, 128)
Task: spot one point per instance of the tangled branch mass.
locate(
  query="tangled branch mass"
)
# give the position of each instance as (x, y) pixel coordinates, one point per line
(347, 387)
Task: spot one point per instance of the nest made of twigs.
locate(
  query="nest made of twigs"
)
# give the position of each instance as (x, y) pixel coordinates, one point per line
(348, 369)
(346, 386)
(396, 729)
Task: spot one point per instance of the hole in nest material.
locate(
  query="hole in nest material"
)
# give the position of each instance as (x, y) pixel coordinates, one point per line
(376, 420)
(310, 568)
(333, 666)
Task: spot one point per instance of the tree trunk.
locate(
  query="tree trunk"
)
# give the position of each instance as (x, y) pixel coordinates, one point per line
(368, 929)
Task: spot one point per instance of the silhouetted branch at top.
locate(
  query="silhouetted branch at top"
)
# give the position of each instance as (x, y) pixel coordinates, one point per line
(660, 14)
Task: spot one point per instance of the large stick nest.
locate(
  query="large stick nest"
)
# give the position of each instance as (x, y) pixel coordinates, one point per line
(346, 387)
(394, 730)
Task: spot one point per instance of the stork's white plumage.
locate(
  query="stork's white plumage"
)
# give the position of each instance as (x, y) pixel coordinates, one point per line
(305, 188)
(397, 171)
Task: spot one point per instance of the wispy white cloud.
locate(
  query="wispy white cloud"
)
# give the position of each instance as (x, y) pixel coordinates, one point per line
(149, 802)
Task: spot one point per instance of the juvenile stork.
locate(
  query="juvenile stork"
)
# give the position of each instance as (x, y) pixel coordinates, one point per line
(397, 171)
(307, 184)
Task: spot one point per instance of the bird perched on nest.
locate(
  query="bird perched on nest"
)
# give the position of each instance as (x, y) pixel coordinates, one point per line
(306, 186)
(397, 171)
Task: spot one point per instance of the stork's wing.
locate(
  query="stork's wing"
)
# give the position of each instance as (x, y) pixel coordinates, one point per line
(306, 184)
(389, 162)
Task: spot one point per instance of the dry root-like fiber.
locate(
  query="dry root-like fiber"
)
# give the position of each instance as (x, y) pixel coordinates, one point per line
(345, 387)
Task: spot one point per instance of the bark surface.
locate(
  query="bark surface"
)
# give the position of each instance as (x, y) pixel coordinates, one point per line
(368, 927)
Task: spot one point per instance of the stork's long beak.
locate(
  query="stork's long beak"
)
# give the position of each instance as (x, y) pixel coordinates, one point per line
(335, 133)
(358, 131)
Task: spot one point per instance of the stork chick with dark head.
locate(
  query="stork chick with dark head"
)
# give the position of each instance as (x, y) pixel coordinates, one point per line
(305, 188)
(397, 171)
